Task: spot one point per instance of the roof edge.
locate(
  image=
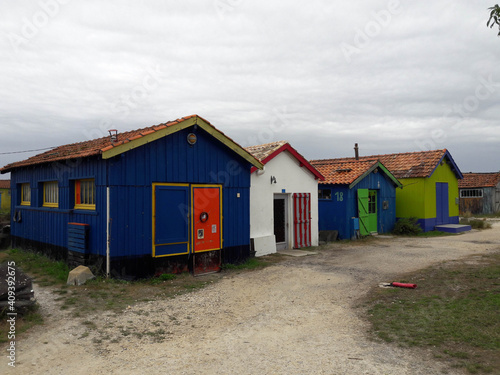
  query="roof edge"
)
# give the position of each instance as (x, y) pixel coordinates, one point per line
(377, 164)
(303, 162)
(453, 166)
(184, 123)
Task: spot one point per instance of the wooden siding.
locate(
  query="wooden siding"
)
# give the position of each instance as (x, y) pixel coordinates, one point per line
(337, 213)
(130, 177)
(173, 160)
(418, 196)
(49, 225)
(488, 204)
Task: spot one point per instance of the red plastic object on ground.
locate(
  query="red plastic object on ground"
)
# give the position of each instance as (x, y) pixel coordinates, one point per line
(404, 285)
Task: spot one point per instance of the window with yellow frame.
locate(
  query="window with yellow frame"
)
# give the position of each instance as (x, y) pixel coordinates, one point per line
(25, 195)
(50, 194)
(85, 194)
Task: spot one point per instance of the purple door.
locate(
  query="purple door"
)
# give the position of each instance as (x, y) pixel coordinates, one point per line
(442, 212)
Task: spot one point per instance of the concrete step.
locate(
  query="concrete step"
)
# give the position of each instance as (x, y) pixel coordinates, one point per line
(452, 228)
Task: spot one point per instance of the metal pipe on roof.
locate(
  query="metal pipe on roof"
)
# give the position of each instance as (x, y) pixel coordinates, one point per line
(356, 151)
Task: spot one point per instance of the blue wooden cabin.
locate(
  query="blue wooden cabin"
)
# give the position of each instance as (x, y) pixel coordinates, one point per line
(166, 198)
(356, 195)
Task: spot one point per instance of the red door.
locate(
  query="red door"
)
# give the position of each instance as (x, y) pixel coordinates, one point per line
(302, 220)
(207, 231)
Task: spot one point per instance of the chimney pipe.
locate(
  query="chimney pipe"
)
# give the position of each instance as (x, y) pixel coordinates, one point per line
(113, 135)
(356, 151)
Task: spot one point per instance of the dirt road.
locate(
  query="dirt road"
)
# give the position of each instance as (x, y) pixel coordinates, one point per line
(296, 317)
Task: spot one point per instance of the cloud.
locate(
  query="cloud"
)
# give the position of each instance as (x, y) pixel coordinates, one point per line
(238, 63)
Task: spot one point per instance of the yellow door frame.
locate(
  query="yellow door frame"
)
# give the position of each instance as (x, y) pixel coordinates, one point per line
(155, 184)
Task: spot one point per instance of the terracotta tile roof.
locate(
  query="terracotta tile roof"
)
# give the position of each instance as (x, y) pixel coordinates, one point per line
(95, 146)
(342, 171)
(263, 151)
(4, 184)
(266, 152)
(475, 180)
(408, 164)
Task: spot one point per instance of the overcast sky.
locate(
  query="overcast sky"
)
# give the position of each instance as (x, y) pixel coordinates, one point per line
(393, 76)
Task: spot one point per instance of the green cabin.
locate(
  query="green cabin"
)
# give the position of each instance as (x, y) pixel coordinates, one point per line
(4, 195)
(430, 186)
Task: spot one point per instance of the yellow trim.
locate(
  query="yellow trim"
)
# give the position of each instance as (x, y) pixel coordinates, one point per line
(204, 251)
(50, 204)
(193, 186)
(80, 206)
(148, 138)
(23, 202)
(84, 207)
(177, 127)
(155, 184)
(173, 243)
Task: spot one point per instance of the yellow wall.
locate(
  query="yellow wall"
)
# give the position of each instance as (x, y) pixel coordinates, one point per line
(5, 204)
(443, 173)
(418, 196)
(410, 199)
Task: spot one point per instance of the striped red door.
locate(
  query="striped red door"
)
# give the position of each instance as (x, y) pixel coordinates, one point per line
(302, 220)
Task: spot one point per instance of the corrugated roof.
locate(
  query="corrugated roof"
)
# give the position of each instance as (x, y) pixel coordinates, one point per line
(4, 184)
(105, 144)
(409, 164)
(476, 180)
(341, 171)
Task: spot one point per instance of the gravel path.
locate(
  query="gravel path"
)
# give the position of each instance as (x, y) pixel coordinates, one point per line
(296, 317)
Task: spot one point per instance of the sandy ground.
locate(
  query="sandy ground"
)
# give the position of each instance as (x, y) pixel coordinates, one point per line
(297, 317)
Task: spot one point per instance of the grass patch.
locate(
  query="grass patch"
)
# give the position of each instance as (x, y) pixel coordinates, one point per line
(435, 233)
(30, 318)
(249, 264)
(162, 278)
(476, 223)
(41, 267)
(454, 312)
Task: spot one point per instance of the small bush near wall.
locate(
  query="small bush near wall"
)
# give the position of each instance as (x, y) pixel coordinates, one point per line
(407, 226)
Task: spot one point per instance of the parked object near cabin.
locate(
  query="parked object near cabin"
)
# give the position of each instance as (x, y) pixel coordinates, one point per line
(4, 195)
(479, 193)
(171, 198)
(79, 275)
(357, 197)
(283, 199)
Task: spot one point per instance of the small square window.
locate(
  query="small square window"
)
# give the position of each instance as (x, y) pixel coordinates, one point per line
(25, 195)
(51, 194)
(85, 194)
(324, 194)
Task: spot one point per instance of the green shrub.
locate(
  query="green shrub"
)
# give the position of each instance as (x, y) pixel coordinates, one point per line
(476, 223)
(407, 226)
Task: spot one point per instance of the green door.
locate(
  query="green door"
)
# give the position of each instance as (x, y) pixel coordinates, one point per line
(363, 212)
(372, 211)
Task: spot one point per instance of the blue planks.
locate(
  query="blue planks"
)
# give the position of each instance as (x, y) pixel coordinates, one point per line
(78, 237)
(337, 213)
(130, 177)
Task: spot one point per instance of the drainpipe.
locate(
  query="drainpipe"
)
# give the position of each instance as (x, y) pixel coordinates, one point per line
(356, 151)
(108, 233)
